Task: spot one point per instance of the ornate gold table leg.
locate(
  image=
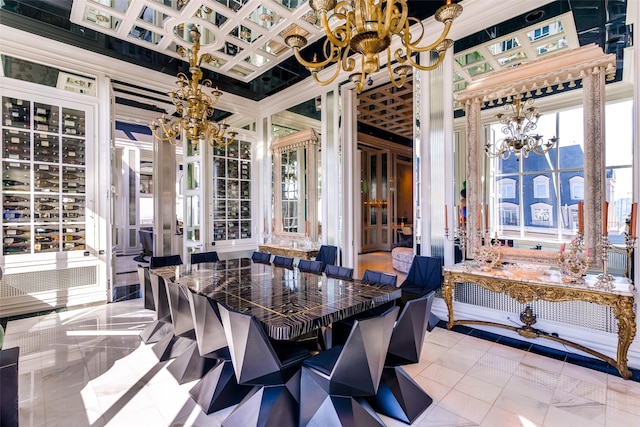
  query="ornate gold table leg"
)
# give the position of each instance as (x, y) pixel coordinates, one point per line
(447, 294)
(623, 310)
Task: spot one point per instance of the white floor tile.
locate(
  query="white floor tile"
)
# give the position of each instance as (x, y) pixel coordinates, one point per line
(88, 367)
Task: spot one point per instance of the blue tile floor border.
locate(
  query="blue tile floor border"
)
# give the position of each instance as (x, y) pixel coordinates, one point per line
(565, 356)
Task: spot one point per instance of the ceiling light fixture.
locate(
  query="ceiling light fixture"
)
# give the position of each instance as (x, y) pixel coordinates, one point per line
(193, 105)
(518, 126)
(367, 27)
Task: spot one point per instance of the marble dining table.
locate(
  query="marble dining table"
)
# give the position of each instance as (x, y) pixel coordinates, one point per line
(288, 303)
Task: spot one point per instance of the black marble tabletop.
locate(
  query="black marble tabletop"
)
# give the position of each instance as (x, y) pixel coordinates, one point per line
(289, 303)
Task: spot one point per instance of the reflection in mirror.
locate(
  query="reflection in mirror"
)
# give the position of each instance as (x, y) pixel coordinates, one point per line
(296, 165)
(295, 184)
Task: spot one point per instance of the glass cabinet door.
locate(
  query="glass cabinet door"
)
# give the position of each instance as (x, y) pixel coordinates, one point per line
(43, 177)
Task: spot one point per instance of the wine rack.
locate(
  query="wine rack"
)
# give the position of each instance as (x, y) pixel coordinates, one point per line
(232, 192)
(43, 177)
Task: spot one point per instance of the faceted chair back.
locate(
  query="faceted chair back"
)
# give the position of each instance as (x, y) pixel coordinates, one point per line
(379, 277)
(164, 261)
(310, 266)
(197, 258)
(338, 272)
(283, 261)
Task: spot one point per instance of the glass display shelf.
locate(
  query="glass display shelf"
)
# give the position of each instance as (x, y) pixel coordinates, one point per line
(43, 177)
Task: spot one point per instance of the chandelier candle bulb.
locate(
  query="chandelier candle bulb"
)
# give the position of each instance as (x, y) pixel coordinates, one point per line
(605, 217)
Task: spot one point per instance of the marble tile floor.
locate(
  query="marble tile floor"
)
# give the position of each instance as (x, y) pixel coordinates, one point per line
(88, 367)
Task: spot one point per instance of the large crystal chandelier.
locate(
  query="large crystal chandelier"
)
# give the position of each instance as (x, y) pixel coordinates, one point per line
(367, 27)
(193, 105)
(518, 125)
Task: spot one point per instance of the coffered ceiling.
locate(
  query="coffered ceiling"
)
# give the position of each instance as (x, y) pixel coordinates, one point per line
(246, 38)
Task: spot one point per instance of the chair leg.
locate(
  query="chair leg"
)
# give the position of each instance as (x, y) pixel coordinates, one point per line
(399, 396)
(218, 389)
(265, 406)
(318, 407)
(171, 347)
(190, 366)
(155, 331)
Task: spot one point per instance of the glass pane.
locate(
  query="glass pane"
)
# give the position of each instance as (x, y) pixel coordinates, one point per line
(545, 31)
(264, 17)
(504, 46)
(193, 174)
(245, 34)
(619, 133)
(16, 113)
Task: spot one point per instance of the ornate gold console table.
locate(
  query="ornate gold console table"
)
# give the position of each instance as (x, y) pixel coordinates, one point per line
(548, 287)
(289, 251)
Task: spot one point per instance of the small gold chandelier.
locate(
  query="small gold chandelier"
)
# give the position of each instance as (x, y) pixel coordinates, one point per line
(367, 27)
(522, 119)
(193, 105)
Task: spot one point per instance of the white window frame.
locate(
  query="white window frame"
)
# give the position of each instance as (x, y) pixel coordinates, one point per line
(507, 186)
(541, 187)
(576, 187)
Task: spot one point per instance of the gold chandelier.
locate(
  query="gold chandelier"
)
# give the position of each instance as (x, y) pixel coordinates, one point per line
(518, 125)
(193, 105)
(367, 27)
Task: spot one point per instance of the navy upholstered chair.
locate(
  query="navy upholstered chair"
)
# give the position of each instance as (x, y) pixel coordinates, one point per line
(165, 261)
(197, 258)
(398, 395)
(338, 272)
(424, 276)
(327, 254)
(310, 266)
(283, 261)
(333, 380)
(261, 257)
(272, 366)
(379, 277)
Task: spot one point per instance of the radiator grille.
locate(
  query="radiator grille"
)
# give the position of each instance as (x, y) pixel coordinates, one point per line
(13, 285)
(577, 313)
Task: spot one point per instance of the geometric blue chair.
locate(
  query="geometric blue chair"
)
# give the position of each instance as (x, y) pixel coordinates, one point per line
(282, 261)
(327, 254)
(310, 266)
(424, 276)
(338, 272)
(334, 382)
(261, 257)
(398, 395)
(197, 258)
(372, 276)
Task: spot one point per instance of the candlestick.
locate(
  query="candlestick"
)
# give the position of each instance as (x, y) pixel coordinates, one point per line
(605, 217)
(446, 217)
(634, 218)
(630, 245)
(479, 219)
(605, 280)
(580, 217)
(486, 217)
